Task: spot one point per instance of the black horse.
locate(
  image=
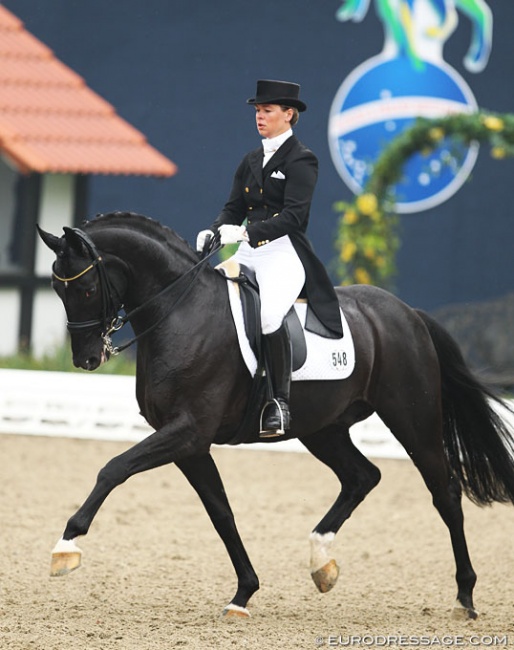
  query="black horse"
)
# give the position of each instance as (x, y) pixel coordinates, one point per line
(193, 388)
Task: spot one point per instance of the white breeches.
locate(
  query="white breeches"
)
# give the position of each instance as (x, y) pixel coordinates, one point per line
(280, 275)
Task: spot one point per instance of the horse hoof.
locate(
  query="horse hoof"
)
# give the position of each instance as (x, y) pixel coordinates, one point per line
(326, 577)
(234, 611)
(66, 557)
(461, 613)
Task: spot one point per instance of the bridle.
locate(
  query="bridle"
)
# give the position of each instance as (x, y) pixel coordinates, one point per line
(109, 305)
(111, 321)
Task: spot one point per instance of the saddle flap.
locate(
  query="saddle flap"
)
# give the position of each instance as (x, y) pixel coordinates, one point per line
(246, 282)
(297, 336)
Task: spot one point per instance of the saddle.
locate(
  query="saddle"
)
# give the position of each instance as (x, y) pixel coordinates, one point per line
(249, 295)
(315, 356)
(245, 280)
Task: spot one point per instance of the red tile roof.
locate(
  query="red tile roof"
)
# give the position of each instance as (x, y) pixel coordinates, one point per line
(51, 122)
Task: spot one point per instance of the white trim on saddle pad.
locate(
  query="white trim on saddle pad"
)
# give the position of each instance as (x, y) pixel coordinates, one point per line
(327, 359)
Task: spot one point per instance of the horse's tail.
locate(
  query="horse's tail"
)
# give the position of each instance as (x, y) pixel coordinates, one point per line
(478, 443)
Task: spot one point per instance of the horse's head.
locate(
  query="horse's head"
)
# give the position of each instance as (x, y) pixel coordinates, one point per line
(91, 296)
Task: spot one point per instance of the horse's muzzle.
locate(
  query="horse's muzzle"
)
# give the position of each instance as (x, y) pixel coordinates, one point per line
(91, 362)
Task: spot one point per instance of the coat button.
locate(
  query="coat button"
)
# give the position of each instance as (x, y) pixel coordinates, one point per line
(247, 189)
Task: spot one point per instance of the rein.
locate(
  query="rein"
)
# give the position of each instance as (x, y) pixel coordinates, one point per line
(119, 321)
(115, 323)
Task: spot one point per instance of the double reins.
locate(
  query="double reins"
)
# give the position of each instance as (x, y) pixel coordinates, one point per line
(111, 321)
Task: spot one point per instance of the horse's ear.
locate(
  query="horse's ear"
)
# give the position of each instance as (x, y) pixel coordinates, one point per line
(74, 241)
(54, 243)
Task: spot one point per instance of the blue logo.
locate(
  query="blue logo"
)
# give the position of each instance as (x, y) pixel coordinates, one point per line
(409, 79)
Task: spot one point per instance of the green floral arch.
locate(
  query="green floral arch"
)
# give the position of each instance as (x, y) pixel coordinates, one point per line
(367, 235)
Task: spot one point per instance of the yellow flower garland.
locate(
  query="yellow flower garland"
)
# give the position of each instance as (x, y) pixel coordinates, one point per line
(368, 239)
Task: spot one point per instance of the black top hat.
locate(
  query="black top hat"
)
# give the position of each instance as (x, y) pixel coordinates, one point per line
(278, 92)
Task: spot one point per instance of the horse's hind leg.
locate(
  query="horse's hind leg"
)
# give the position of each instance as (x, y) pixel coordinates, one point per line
(446, 496)
(358, 476)
(418, 433)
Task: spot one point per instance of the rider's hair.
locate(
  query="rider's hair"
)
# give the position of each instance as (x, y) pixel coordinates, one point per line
(296, 114)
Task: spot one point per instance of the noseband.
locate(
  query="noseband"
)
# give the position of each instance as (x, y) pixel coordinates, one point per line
(111, 321)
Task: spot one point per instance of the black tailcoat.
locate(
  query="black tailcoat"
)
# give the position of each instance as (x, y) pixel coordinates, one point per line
(275, 201)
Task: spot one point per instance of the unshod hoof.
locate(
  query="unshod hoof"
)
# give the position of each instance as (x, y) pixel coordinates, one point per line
(461, 613)
(326, 577)
(234, 611)
(66, 557)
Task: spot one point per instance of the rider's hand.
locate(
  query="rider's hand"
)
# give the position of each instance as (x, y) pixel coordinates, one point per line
(230, 234)
(202, 238)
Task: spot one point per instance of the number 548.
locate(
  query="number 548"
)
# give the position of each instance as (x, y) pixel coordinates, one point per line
(339, 359)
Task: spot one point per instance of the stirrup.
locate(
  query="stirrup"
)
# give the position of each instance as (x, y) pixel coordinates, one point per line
(272, 433)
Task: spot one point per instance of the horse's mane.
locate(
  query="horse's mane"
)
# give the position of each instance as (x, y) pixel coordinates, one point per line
(140, 224)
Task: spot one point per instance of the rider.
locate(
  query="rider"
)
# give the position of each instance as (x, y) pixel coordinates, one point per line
(272, 192)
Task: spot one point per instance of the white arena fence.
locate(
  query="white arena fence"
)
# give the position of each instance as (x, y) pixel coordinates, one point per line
(104, 407)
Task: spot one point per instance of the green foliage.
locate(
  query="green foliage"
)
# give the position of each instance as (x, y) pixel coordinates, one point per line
(60, 360)
(367, 242)
(227, 251)
(368, 238)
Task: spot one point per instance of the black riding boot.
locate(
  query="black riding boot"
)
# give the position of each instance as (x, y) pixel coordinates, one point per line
(275, 418)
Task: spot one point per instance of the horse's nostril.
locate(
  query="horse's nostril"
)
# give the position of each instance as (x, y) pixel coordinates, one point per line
(92, 363)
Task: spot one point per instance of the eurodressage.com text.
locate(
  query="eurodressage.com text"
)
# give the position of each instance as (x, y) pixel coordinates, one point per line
(423, 640)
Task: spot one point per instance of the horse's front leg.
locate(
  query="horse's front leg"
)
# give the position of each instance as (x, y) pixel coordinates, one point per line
(167, 445)
(203, 475)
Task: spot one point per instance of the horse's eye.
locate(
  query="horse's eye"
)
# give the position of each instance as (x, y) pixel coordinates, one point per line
(90, 292)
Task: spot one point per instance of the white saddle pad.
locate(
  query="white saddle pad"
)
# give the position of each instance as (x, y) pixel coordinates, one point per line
(327, 359)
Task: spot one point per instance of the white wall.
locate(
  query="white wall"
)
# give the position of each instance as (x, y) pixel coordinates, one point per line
(48, 322)
(104, 407)
(56, 211)
(9, 320)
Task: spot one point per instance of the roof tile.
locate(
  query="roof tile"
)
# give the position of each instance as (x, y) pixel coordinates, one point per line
(68, 128)
(51, 157)
(37, 72)
(51, 122)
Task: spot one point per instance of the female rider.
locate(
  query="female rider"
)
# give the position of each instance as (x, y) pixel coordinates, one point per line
(272, 193)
